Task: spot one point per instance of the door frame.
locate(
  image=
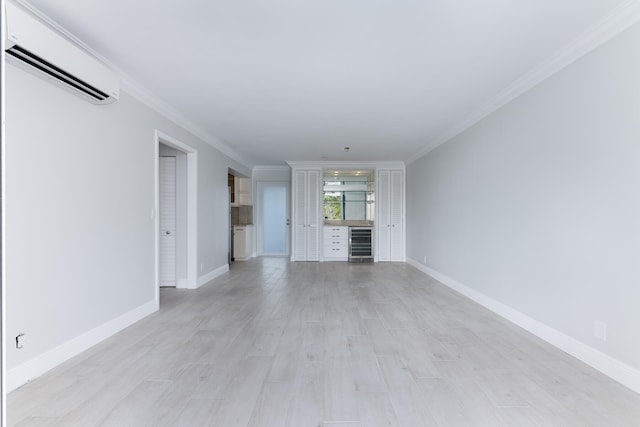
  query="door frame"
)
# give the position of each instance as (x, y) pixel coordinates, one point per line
(260, 224)
(192, 208)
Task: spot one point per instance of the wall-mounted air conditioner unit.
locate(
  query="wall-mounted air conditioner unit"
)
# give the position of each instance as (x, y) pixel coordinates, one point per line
(38, 48)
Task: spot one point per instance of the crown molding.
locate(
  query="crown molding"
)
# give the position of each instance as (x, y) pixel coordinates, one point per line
(139, 92)
(150, 100)
(271, 168)
(619, 19)
(295, 164)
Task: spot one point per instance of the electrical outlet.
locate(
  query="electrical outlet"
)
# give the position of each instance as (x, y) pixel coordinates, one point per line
(600, 330)
(20, 340)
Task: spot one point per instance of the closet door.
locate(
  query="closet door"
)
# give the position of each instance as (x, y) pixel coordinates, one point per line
(396, 214)
(383, 198)
(306, 215)
(167, 273)
(300, 216)
(313, 215)
(390, 228)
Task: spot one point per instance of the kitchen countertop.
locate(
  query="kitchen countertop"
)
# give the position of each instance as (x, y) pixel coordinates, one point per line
(349, 223)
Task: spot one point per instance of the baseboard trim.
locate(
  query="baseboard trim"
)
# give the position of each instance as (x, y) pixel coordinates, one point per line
(613, 368)
(212, 275)
(44, 362)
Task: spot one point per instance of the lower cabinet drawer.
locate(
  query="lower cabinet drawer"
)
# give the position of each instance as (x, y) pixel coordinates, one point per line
(336, 251)
(336, 232)
(336, 243)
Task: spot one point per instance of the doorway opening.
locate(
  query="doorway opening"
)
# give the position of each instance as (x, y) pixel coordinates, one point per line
(175, 213)
(241, 242)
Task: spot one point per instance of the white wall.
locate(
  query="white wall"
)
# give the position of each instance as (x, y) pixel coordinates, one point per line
(271, 173)
(538, 205)
(79, 232)
(213, 204)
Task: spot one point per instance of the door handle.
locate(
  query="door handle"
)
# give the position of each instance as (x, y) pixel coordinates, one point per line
(167, 232)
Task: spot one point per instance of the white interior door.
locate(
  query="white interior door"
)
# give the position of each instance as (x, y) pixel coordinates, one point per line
(300, 216)
(313, 215)
(167, 221)
(396, 213)
(383, 219)
(274, 220)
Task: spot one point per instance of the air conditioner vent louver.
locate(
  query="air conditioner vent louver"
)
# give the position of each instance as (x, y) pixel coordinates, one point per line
(55, 72)
(39, 49)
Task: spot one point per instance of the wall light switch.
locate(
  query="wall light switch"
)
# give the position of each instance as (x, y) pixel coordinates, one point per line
(20, 340)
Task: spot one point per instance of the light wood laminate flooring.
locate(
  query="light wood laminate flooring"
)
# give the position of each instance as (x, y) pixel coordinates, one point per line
(275, 343)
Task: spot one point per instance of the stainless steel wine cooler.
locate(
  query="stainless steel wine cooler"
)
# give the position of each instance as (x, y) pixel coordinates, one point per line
(360, 244)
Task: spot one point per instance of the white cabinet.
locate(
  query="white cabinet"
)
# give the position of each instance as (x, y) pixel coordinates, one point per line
(243, 191)
(336, 243)
(306, 214)
(242, 242)
(390, 219)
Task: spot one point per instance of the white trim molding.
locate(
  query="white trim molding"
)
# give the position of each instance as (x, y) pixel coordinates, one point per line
(42, 363)
(192, 207)
(202, 280)
(613, 368)
(295, 164)
(138, 91)
(622, 17)
(261, 168)
(150, 100)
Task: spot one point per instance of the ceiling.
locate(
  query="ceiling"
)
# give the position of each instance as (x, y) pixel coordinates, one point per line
(301, 79)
